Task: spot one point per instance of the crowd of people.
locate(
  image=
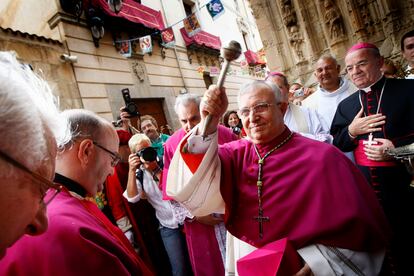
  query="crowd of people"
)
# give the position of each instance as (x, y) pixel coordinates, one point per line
(81, 196)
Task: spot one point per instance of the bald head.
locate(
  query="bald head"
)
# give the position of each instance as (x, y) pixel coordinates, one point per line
(327, 73)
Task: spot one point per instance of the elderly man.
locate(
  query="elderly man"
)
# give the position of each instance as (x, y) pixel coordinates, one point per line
(283, 184)
(306, 122)
(79, 233)
(27, 151)
(205, 234)
(380, 116)
(407, 50)
(149, 127)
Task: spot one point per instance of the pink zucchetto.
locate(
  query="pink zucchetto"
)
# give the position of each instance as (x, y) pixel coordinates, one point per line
(271, 74)
(362, 45)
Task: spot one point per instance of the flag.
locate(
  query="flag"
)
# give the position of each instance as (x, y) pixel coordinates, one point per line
(215, 8)
(191, 25)
(125, 48)
(167, 37)
(145, 44)
(214, 71)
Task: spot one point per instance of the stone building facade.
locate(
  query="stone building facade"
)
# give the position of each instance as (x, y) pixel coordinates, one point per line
(296, 33)
(95, 80)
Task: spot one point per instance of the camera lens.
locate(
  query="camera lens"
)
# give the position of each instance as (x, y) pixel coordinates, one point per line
(148, 154)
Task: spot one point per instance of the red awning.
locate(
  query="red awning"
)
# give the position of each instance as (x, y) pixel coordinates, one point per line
(134, 12)
(253, 58)
(202, 38)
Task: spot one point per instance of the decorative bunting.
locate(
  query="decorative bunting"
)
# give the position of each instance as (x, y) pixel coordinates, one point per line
(191, 25)
(168, 39)
(215, 8)
(201, 70)
(125, 48)
(214, 71)
(145, 44)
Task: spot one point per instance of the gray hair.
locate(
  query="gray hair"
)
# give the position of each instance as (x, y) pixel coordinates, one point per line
(329, 57)
(185, 100)
(29, 119)
(82, 124)
(136, 139)
(260, 84)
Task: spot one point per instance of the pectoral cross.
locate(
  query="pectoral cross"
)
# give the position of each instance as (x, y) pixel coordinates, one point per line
(260, 219)
(370, 141)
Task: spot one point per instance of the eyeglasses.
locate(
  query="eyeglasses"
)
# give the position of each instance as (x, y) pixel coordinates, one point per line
(257, 109)
(46, 182)
(115, 156)
(360, 64)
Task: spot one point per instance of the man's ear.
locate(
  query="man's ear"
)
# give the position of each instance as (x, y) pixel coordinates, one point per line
(85, 151)
(283, 107)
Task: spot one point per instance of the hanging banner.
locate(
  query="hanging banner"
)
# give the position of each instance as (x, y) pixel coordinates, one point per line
(214, 71)
(191, 25)
(167, 36)
(125, 48)
(145, 44)
(215, 8)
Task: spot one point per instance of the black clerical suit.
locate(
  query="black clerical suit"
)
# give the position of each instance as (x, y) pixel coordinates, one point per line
(392, 182)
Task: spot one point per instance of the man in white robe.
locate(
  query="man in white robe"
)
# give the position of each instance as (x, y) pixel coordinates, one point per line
(297, 118)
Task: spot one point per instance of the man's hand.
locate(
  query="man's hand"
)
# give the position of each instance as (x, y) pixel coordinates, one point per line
(305, 271)
(210, 219)
(215, 103)
(134, 162)
(362, 125)
(377, 152)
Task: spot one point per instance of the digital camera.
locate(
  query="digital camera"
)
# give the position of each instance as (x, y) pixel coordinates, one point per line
(236, 130)
(130, 106)
(117, 123)
(299, 92)
(148, 154)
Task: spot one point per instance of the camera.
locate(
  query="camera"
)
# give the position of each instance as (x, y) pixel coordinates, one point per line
(236, 130)
(148, 154)
(117, 123)
(130, 106)
(299, 92)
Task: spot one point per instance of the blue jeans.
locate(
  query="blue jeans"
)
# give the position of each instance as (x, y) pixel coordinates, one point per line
(176, 247)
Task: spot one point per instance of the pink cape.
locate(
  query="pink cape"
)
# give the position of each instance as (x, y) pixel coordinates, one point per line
(80, 240)
(204, 252)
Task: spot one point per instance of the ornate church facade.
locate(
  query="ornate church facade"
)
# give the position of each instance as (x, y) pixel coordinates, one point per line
(296, 33)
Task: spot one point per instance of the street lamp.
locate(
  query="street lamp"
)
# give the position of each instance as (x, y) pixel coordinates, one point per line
(115, 5)
(96, 25)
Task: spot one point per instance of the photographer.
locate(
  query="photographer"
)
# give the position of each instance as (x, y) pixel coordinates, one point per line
(232, 121)
(143, 183)
(124, 122)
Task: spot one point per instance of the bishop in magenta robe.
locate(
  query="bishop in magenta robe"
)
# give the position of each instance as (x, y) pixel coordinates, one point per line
(310, 192)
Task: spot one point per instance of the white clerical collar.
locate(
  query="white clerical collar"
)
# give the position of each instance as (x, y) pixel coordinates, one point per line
(368, 89)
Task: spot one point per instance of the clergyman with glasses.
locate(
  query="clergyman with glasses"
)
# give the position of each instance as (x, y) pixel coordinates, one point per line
(29, 122)
(380, 116)
(279, 185)
(80, 239)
